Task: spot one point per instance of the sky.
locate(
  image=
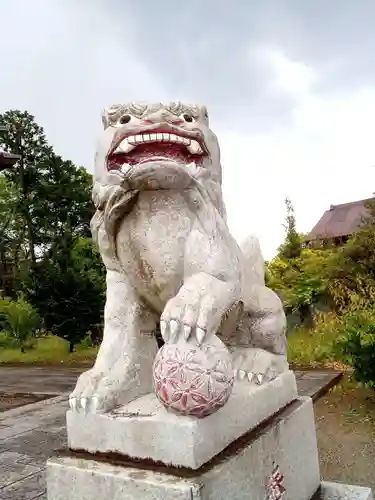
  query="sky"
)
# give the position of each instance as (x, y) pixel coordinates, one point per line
(289, 86)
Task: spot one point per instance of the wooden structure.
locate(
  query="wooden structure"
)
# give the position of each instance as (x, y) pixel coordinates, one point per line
(339, 222)
(7, 160)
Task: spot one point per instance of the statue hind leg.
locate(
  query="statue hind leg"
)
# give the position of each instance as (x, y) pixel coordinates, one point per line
(256, 335)
(260, 353)
(123, 368)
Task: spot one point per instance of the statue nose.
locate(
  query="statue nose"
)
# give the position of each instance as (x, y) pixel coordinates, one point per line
(163, 117)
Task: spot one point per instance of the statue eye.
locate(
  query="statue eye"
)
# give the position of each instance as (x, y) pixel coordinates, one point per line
(188, 118)
(125, 119)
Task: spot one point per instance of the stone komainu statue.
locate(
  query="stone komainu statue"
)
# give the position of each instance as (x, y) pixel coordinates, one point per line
(160, 225)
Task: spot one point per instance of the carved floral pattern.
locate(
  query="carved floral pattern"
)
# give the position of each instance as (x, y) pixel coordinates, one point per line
(275, 486)
(193, 380)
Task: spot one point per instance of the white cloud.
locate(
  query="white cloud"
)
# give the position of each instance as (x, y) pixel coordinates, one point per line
(323, 156)
(294, 78)
(65, 62)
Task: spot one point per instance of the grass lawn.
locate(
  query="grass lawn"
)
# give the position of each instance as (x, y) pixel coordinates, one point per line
(49, 350)
(312, 348)
(307, 349)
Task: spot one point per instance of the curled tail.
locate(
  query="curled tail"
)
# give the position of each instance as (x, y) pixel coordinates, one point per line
(264, 319)
(253, 259)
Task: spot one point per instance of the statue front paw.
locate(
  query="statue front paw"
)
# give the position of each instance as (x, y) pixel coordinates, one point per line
(196, 310)
(100, 392)
(81, 399)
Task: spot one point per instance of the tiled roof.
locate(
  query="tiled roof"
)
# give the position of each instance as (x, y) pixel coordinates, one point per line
(7, 160)
(340, 220)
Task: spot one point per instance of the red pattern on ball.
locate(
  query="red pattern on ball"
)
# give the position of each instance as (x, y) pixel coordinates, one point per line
(193, 380)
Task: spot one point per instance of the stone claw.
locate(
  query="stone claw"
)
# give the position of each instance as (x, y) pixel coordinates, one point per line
(259, 377)
(200, 333)
(250, 376)
(173, 328)
(163, 330)
(241, 374)
(187, 331)
(94, 403)
(73, 403)
(83, 403)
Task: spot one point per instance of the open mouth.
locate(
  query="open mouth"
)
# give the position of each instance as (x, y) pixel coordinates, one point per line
(155, 145)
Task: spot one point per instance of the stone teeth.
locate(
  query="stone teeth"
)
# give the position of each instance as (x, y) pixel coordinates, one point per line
(194, 148)
(124, 147)
(128, 144)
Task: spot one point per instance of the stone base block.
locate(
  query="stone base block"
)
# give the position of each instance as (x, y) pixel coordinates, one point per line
(338, 491)
(144, 429)
(277, 460)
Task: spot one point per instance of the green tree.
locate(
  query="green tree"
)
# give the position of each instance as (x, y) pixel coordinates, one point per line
(70, 297)
(52, 202)
(64, 208)
(12, 238)
(27, 139)
(54, 196)
(352, 272)
(292, 246)
(296, 273)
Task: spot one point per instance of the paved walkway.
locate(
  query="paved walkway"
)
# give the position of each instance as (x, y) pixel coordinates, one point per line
(38, 379)
(30, 434)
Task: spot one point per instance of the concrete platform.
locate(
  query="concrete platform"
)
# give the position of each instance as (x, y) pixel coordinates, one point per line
(338, 491)
(144, 429)
(279, 456)
(32, 433)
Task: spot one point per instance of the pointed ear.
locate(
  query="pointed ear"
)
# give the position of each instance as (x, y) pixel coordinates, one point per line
(204, 114)
(105, 118)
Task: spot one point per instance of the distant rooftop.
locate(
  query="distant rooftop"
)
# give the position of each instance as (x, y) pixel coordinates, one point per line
(7, 160)
(340, 220)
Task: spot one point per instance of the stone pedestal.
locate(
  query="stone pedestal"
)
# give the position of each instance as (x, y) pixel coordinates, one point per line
(275, 458)
(144, 429)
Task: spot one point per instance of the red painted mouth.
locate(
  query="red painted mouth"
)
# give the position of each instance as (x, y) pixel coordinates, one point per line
(155, 145)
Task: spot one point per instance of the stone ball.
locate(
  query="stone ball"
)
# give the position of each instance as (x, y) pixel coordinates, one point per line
(193, 380)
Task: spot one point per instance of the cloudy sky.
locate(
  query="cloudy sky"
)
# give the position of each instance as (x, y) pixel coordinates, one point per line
(289, 84)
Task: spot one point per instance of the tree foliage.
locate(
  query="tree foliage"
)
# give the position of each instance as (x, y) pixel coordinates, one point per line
(27, 139)
(339, 279)
(46, 201)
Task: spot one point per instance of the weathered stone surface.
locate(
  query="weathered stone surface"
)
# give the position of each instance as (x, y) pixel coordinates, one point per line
(337, 491)
(171, 261)
(49, 416)
(246, 470)
(145, 429)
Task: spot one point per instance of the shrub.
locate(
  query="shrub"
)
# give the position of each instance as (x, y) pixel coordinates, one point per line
(356, 346)
(20, 321)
